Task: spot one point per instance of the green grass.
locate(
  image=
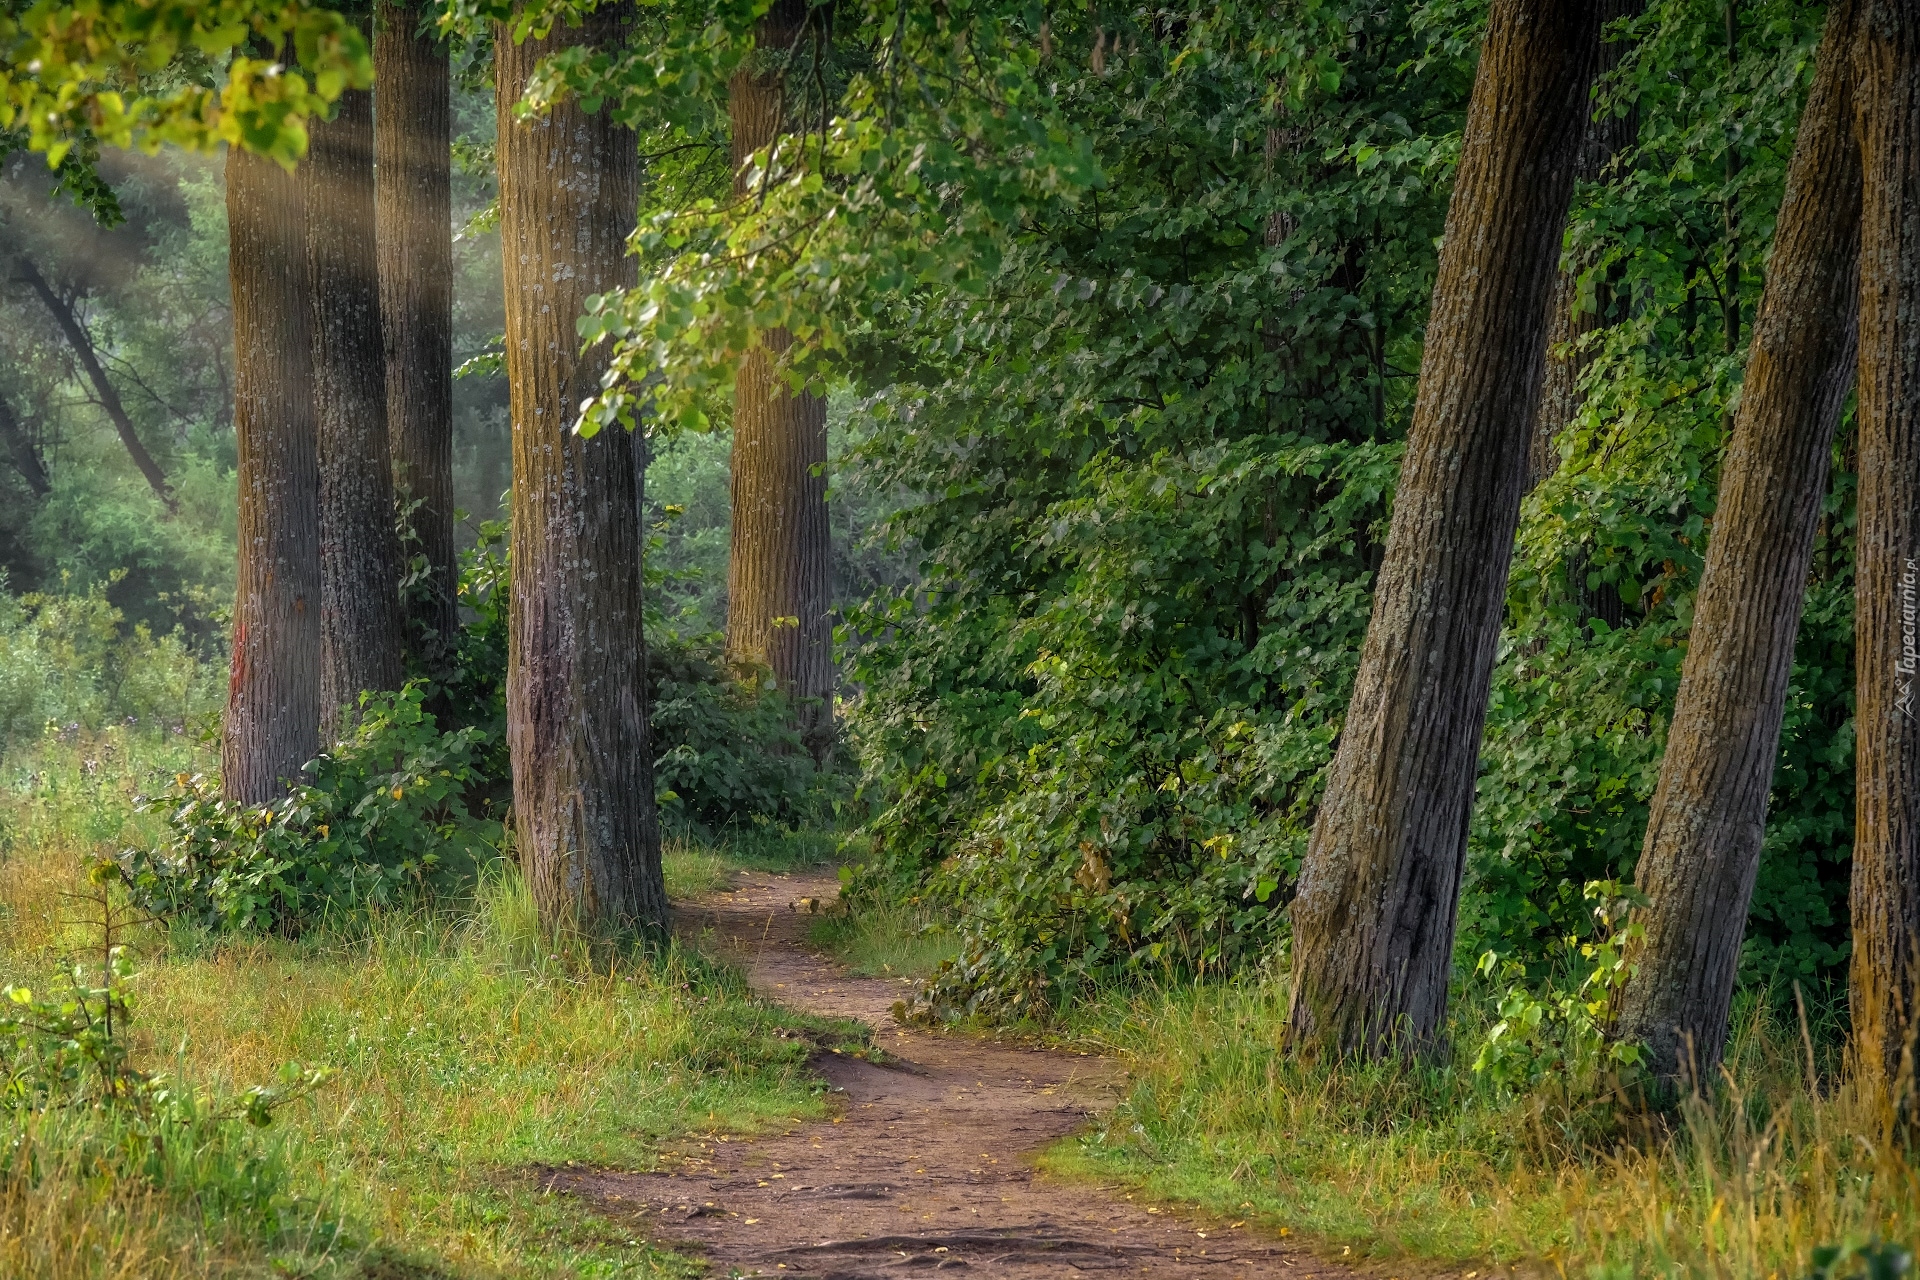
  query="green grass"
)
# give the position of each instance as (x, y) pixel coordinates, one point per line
(1433, 1162)
(886, 939)
(698, 862)
(469, 1046)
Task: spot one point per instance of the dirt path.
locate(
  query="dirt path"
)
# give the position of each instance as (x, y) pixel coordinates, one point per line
(927, 1166)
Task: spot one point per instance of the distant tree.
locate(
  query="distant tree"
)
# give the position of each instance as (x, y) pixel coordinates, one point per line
(272, 724)
(779, 570)
(1708, 816)
(1885, 889)
(1378, 895)
(359, 551)
(586, 829)
(86, 355)
(413, 147)
(23, 451)
(1571, 320)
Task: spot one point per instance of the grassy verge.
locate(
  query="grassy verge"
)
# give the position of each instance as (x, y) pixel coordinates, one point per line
(886, 939)
(699, 862)
(470, 1048)
(1434, 1162)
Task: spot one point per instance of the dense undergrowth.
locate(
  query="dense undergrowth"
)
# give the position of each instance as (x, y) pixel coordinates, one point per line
(1149, 459)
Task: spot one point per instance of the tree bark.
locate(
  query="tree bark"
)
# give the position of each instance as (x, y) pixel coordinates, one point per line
(1373, 921)
(779, 567)
(1704, 832)
(359, 549)
(583, 805)
(89, 360)
(272, 724)
(22, 452)
(1886, 849)
(1605, 138)
(413, 133)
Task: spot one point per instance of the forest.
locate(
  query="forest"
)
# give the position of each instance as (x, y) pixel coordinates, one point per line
(845, 637)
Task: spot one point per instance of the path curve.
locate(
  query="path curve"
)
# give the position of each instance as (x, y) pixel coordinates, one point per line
(928, 1164)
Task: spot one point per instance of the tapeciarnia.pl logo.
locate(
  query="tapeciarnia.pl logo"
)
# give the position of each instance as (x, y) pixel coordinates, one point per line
(1909, 658)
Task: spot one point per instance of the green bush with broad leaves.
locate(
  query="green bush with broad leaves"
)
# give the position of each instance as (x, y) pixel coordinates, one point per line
(1563, 1031)
(725, 751)
(379, 819)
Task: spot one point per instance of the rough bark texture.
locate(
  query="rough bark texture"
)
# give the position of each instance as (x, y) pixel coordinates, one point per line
(413, 212)
(359, 550)
(273, 696)
(1607, 136)
(1703, 837)
(1374, 916)
(576, 688)
(780, 563)
(1886, 847)
(103, 389)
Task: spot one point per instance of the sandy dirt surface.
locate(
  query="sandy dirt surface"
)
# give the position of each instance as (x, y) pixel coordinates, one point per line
(927, 1165)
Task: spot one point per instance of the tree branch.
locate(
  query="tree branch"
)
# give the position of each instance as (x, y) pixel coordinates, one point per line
(83, 349)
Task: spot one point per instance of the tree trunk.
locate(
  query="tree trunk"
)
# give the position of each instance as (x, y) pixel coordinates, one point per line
(273, 695)
(1886, 846)
(576, 682)
(1606, 137)
(414, 217)
(359, 550)
(23, 453)
(780, 563)
(1704, 832)
(1374, 917)
(89, 360)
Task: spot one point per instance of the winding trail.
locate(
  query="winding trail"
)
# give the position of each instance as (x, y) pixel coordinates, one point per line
(928, 1164)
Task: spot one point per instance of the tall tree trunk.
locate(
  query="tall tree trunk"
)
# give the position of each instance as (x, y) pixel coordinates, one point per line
(1886, 845)
(1709, 811)
(780, 563)
(414, 215)
(272, 723)
(359, 550)
(1379, 892)
(583, 804)
(88, 358)
(1606, 137)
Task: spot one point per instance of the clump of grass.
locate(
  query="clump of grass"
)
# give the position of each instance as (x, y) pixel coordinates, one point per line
(886, 938)
(1431, 1160)
(760, 846)
(693, 869)
(88, 1194)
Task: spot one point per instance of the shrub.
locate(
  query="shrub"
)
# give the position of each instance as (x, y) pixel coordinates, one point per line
(381, 817)
(69, 659)
(723, 744)
(1562, 1032)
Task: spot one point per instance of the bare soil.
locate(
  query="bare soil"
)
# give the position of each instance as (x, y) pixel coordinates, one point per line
(928, 1164)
